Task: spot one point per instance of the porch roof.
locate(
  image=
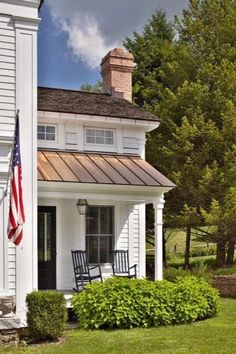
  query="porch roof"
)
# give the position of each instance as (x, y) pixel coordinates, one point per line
(95, 168)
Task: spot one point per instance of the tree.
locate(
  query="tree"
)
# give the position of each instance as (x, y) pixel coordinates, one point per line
(92, 88)
(193, 90)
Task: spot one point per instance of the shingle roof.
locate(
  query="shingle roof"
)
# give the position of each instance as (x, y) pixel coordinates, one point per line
(98, 104)
(77, 167)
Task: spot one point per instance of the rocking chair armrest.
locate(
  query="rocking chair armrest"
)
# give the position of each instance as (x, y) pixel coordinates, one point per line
(96, 266)
(134, 266)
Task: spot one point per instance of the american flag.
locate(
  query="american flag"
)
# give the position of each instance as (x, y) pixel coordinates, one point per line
(16, 209)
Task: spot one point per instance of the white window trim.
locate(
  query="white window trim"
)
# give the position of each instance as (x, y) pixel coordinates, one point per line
(92, 145)
(44, 141)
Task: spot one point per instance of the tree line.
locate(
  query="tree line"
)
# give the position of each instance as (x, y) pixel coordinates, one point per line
(186, 74)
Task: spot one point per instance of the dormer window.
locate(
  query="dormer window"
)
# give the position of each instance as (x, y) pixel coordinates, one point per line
(46, 132)
(99, 136)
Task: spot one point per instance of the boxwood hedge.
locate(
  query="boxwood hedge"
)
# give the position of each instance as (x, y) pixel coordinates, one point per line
(127, 303)
(47, 314)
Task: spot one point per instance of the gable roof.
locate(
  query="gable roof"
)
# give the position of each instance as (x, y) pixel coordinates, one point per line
(89, 103)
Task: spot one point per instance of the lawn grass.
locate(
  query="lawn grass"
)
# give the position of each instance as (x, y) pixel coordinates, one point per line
(213, 336)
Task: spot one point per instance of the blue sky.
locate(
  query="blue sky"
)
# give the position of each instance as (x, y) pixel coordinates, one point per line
(74, 35)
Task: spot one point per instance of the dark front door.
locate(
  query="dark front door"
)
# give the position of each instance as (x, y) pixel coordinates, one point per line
(46, 247)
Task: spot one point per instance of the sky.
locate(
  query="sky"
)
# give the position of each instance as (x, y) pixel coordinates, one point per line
(74, 35)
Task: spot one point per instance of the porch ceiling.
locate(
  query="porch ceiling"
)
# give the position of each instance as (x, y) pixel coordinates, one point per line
(94, 168)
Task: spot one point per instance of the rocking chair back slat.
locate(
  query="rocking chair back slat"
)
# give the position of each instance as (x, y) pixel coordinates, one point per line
(121, 266)
(82, 269)
(121, 261)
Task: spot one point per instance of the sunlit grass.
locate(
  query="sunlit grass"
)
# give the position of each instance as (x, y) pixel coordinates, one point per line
(213, 336)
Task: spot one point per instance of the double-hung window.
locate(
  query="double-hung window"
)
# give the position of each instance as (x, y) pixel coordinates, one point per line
(100, 233)
(99, 136)
(46, 132)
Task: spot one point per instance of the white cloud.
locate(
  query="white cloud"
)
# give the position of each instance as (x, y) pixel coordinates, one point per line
(85, 39)
(96, 26)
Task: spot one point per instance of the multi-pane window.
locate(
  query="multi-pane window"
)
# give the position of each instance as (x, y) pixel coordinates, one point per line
(46, 132)
(100, 233)
(99, 136)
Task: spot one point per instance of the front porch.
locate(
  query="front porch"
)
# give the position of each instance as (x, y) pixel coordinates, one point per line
(113, 222)
(117, 187)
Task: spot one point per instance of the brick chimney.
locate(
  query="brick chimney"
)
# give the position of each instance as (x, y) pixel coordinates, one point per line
(116, 70)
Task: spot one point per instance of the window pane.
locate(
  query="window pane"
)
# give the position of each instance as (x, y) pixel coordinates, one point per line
(90, 132)
(99, 140)
(108, 134)
(104, 249)
(106, 220)
(91, 140)
(41, 136)
(50, 129)
(109, 141)
(41, 128)
(99, 234)
(92, 221)
(50, 136)
(92, 248)
(100, 133)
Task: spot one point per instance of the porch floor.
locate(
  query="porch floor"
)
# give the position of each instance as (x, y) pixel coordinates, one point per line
(68, 294)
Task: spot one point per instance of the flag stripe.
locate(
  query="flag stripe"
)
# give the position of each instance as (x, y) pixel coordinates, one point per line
(16, 209)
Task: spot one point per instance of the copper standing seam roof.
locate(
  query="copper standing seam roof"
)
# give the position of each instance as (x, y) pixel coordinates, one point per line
(63, 166)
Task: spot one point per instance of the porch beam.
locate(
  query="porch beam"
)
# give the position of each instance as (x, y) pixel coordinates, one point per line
(158, 208)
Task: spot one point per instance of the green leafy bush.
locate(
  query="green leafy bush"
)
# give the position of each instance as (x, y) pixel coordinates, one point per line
(125, 303)
(200, 271)
(47, 314)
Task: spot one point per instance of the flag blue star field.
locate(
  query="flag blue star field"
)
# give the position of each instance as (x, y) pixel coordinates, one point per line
(16, 209)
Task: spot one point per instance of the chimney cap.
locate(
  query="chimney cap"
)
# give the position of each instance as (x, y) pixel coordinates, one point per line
(118, 53)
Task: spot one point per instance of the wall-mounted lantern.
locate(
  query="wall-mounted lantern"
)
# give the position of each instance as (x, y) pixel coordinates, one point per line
(82, 206)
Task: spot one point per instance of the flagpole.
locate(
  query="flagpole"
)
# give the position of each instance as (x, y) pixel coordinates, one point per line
(12, 149)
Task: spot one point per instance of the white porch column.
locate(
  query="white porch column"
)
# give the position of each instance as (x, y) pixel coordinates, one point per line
(158, 208)
(26, 102)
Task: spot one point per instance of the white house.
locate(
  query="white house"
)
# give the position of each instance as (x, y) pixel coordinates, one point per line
(90, 146)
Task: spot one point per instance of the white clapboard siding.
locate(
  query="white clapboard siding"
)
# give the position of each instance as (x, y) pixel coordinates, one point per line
(8, 93)
(7, 100)
(7, 39)
(9, 32)
(8, 113)
(7, 52)
(7, 59)
(130, 145)
(7, 117)
(135, 236)
(7, 45)
(6, 79)
(123, 232)
(7, 66)
(11, 268)
(7, 72)
(71, 140)
(8, 86)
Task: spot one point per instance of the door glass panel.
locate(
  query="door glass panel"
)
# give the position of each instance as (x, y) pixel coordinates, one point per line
(44, 237)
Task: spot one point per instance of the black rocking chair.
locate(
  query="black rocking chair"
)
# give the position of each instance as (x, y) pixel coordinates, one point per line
(82, 270)
(121, 266)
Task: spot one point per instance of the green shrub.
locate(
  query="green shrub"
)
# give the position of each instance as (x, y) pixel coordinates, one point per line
(47, 314)
(199, 271)
(203, 251)
(125, 303)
